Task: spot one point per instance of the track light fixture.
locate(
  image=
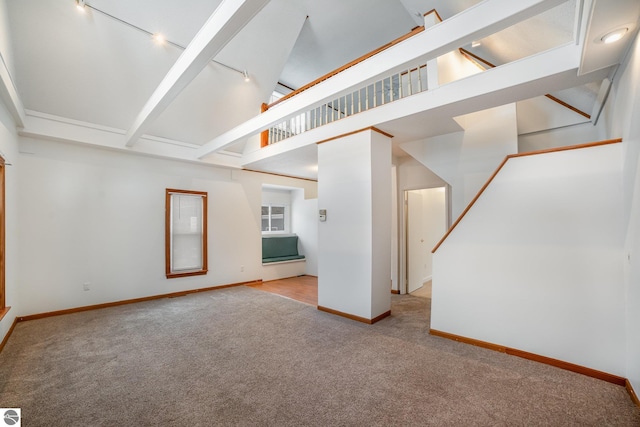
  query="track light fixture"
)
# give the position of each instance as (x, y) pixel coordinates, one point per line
(157, 37)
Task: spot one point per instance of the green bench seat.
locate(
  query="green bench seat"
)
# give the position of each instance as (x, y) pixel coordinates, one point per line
(280, 249)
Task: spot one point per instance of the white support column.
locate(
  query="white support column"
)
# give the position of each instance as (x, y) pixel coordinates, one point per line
(430, 20)
(354, 243)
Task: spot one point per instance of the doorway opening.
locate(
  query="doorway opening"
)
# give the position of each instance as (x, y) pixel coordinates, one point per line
(426, 220)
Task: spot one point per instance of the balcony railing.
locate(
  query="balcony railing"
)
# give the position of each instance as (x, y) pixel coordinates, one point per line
(397, 86)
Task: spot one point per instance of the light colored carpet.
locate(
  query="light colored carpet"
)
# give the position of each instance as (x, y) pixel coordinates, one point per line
(239, 356)
(424, 291)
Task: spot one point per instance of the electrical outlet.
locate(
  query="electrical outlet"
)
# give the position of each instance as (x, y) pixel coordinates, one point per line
(86, 286)
(241, 268)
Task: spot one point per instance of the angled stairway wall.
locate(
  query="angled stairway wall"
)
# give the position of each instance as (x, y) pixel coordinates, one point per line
(466, 159)
(537, 263)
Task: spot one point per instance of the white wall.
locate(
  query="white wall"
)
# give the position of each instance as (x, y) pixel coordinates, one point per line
(412, 175)
(621, 116)
(395, 236)
(542, 257)
(435, 224)
(465, 160)
(92, 215)
(6, 48)
(354, 243)
(9, 150)
(304, 222)
(454, 66)
(541, 114)
(572, 135)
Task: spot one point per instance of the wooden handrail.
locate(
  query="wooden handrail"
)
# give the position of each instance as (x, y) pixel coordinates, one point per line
(476, 59)
(512, 156)
(412, 33)
(569, 106)
(434, 11)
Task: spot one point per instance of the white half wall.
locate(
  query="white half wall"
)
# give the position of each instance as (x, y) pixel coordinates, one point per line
(284, 270)
(97, 216)
(536, 264)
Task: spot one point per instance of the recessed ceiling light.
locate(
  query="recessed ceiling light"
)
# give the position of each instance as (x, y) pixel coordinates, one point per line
(246, 76)
(159, 38)
(80, 4)
(614, 35)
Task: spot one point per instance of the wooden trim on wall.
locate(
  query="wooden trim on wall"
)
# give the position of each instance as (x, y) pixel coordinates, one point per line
(131, 301)
(594, 373)
(371, 128)
(354, 317)
(319, 80)
(512, 156)
(570, 107)
(614, 379)
(475, 58)
(478, 61)
(9, 332)
(280, 174)
(433, 11)
(395, 291)
(465, 340)
(632, 393)
(4, 311)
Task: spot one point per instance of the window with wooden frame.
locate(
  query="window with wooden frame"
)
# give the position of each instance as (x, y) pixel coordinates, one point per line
(185, 233)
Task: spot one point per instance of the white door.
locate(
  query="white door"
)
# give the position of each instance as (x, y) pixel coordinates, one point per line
(416, 241)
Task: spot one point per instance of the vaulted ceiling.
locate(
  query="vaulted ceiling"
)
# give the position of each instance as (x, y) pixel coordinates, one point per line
(100, 65)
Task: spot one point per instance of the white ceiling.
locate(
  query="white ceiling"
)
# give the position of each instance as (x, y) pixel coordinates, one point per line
(94, 68)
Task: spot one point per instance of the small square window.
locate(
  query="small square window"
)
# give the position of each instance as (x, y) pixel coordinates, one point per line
(274, 219)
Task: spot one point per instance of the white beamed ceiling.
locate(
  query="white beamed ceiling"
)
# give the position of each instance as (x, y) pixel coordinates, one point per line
(85, 77)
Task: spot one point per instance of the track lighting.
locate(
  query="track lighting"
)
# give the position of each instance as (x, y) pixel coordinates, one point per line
(157, 37)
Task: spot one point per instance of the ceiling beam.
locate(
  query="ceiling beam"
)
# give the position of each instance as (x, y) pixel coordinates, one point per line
(9, 94)
(225, 22)
(484, 19)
